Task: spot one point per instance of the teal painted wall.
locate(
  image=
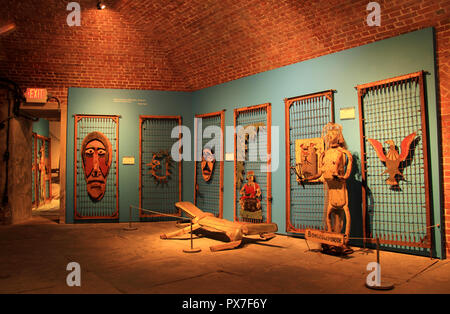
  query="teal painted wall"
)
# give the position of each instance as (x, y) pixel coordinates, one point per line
(340, 71)
(41, 127)
(129, 104)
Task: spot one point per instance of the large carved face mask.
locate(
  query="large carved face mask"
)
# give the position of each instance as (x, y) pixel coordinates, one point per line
(96, 155)
(208, 160)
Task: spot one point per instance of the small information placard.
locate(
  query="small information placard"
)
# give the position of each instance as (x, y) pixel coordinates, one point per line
(347, 113)
(229, 157)
(325, 237)
(128, 160)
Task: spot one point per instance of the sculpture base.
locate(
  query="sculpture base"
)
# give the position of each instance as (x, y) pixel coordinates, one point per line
(382, 286)
(192, 250)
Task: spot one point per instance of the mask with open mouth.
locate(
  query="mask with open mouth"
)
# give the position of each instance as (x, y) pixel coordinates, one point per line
(207, 164)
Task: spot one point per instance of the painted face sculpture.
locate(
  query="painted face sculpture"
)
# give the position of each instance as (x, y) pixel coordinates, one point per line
(96, 153)
(207, 164)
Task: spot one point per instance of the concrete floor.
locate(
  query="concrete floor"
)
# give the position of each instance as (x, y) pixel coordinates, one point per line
(34, 256)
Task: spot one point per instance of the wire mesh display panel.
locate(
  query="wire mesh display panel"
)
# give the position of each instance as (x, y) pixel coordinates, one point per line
(208, 193)
(254, 158)
(305, 118)
(396, 205)
(33, 170)
(160, 174)
(41, 192)
(85, 207)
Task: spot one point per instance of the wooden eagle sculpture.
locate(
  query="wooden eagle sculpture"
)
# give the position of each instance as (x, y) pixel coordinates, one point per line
(393, 158)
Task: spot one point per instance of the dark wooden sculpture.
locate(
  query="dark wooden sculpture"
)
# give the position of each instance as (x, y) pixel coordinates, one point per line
(250, 200)
(155, 164)
(96, 154)
(207, 164)
(235, 231)
(393, 158)
(335, 165)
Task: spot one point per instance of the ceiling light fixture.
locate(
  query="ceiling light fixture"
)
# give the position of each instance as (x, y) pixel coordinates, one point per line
(101, 5)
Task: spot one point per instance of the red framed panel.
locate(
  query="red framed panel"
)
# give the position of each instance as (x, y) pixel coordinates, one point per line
(399, 217)
(262, 112)
(221, 116)
(175, 196)
(305, 116)
(46, 141)
(108, 207)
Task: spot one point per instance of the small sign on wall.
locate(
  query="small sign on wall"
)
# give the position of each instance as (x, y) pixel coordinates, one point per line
(229, 157)
(347, 113)
(128, 160)
(36, 95)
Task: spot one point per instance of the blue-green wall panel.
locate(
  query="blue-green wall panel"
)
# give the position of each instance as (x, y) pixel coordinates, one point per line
(340, 71)
(129, 104)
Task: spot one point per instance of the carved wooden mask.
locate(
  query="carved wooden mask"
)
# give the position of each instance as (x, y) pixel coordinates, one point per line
(96, 154)
(207, 164)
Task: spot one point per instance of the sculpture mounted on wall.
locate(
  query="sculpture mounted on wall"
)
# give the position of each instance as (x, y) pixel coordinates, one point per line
(155, 164)
(250, 200)
(207, 164)
(96, 155)
(307, 155)
(393, 159)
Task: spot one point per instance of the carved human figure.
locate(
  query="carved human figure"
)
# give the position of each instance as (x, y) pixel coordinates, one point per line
(96, 153)
(207, 164)
(336, 165)
(42, 173)
(250, 194)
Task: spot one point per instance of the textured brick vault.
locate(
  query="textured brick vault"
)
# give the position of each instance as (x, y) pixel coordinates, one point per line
(189, 45)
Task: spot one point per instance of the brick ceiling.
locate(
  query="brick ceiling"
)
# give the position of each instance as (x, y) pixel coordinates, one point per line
(191, 44)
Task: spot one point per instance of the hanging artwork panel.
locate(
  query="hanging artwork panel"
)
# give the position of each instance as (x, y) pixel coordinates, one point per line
(208, 179)
(159, 172)
(305, 118)
(396, 189)
(252, 164)
(96, 191)
(41, 188)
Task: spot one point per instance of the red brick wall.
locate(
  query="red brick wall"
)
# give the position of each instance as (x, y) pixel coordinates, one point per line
(189, 45)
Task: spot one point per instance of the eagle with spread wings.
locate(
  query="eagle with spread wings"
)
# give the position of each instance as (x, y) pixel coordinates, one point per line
(393, 158)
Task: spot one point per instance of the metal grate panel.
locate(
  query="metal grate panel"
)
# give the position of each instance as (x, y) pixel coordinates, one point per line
(155, 137)
(108, 206)
(399, 215)
(305, 118)
(208, 195)
(255, 160)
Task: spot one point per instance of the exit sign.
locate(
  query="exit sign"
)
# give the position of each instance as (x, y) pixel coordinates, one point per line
(36, 95)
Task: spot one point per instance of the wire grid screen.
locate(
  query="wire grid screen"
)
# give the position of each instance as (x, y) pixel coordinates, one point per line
(307, 117)
(396, 215)
(33, 168)
(208, 192)
(48, 170)
(107, 207)
(155, 195)
(255, 159)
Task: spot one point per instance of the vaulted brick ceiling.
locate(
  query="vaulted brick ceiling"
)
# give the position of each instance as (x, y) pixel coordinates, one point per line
(192, 44)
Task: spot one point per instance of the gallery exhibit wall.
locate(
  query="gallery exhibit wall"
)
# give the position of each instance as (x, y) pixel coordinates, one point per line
(41, 186)
(340, 72)
(108, 111)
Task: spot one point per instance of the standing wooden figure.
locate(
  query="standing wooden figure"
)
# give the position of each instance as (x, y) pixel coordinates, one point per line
(336, 166)
(42, 173)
